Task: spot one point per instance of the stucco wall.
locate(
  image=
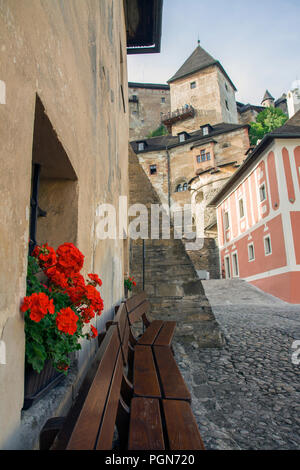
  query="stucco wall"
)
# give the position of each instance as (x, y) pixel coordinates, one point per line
(73, 55)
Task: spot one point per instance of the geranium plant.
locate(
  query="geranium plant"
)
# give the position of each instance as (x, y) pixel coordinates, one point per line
(129, 282)
(56, 311)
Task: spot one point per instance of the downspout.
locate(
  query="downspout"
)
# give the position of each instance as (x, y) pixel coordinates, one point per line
(169, 179)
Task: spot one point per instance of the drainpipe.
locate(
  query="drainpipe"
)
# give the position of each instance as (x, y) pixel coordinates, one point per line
(169, 179)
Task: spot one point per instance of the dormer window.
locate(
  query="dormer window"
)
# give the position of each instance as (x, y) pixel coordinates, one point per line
(182, 136)
(141, 146)
(206, 130)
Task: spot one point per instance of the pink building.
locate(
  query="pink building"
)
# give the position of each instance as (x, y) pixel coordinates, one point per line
(258, 213)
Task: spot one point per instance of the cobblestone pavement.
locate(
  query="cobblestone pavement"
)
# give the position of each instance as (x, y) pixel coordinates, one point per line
(247, 394)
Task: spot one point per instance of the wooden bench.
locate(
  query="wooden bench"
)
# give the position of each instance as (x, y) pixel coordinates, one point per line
(144, 420)
(157, 332)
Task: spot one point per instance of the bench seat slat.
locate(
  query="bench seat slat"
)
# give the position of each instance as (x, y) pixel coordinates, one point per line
(151, 333)
(173, 385)
(145, 431)
(182, 429)
(165, 336)
(145, 381)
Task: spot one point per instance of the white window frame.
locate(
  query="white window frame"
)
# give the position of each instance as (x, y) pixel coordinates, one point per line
(263, 185)
(227, 267)
(235, 272)
(141, 146)
(251, 259)
(205, 130)
(244, 212)
(265, 238)
(228, 226)
(181, 137)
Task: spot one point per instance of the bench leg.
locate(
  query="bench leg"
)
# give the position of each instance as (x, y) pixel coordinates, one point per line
(50, 431)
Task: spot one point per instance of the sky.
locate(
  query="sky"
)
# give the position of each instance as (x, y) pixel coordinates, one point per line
(257, 43)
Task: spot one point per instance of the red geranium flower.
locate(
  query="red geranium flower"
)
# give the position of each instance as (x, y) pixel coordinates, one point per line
(69, 259)
(57, 278)
(46, 255)
(39, 305)
(66, 321)
(94, 332)
(94, 298)
(96, 279)
(87, 314)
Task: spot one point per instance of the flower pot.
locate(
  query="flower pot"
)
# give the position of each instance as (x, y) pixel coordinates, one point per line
(38, 384)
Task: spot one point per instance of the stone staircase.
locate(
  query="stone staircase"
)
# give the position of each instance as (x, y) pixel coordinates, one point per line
(170, 279)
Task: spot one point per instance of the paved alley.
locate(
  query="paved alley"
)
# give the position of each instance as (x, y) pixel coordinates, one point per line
(247, 394)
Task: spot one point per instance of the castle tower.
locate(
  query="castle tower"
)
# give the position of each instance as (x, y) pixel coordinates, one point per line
(201, 93)
(268, 100)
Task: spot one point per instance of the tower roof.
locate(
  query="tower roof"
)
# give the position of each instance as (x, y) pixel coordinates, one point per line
(267, 96)
(198, 60)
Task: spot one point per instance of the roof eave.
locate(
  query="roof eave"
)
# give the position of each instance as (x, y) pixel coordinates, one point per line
(217, 63)
(253, 157)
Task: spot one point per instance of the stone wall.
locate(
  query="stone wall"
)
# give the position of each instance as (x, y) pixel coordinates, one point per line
(146, 109)
(208, 99)
(170, 279)
(72, 55)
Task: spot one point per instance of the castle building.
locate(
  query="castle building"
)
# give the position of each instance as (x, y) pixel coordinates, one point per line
(258, 211)
(205, 144)
(293, 98)
(268, 100)
(202, 84)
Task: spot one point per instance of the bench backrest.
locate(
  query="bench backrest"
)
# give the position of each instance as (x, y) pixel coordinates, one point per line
(137, 307)
(121, 321)
(91, 422)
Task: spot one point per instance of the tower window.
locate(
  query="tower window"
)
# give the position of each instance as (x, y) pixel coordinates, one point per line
(193, 85)
(163, 99)
(227, 106)
(153, 170)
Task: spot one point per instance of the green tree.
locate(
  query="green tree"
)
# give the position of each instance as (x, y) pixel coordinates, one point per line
(266, 121)
(161, 130)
